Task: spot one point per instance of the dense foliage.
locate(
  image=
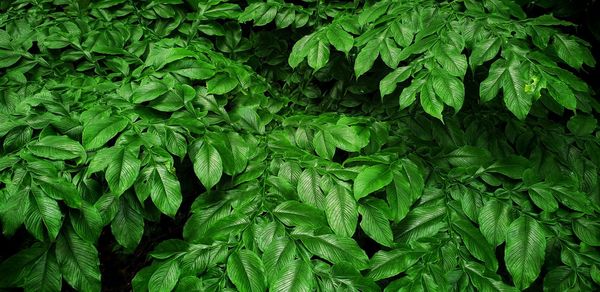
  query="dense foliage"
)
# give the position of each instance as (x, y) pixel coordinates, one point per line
(215, 145)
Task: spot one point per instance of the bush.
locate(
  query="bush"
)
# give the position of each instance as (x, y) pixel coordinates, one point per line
(296, 146)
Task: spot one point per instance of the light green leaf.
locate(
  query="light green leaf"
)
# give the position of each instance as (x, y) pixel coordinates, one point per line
(572, 52)
(294, 213)
(451, 59)
(165, 277)
(339, 38)
(128, 224)
(308, 188)
(388, 84)
(208, 165)
(318, 56)
(450, 89)
(246, 271)
(97, 132)
(78, 261)
(349, 138)
(221, 84)
(490, 87)
(341, 210)
(43, 213)
(371, 179)
(366, 57)
(513, 87)
(494, 220)
(485, 50)
(336, 249)
(429, 101)
(390, 54)
(300, 50)
(58, 147)
(476, 243)
(164, 188)
(123, 170)
(324, 145)
(294, 276)
(44, 274)
(587, 230)
(385, 264)
(525, 250)
(375, 222)
(279, 253)
(149, 90)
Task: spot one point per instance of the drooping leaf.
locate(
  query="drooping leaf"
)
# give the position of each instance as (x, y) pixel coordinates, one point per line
(525, 250)
(245, 269)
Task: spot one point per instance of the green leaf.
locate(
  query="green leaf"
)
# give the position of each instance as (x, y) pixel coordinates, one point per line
(389, 53)
(451, 60)
(294, 276)
(43, 213)
(44, 274)
(366, 57)
(149, 90)
(97, 132)
(336, 249)
(58, 148)
(164, 188)
(490, 87)
(386, 264)
(78, 261)
(375, 223)
(450, 89)
(308, 188)
(513, 87)
(485, 50)
(484, 280)
(323, 142)
(494, 219)
(279, 253)
(582, 125)
(17, 267)
(349, 138)
(429, 101)
(221, 84)
(588, 231)
(407, 187)
(469, 156)
(339, 38)
(388, 84)
(300, 50)
(572, 52)
(165, 277)
(560, 278)
(128, 224)
(208, 165)
(541, 195)
(246, 271)
(525, 250)
(123, 170)
(476, 243)
(294, 213)
(423, 221)
(371, 179)
(318, 56)
(341, 210)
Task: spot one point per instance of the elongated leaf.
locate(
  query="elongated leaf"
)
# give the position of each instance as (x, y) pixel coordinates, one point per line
(308, 188)
(298, 214)
(208, 165)
(43, 214)
(341, 211)
(318, 56)
(385, 264)
(279, 253)
(371, 179)
(78, 261)
(44, 275)
(340, 39)
(246, 271)
(295, 276)
(366, 57)
(375, 223)
(494, 220)
(123, 170)
(525, 249)
(97, 132)
(336, 249)
(128, 224)
(476, 244)
(165, 277)
(164, 189)
(58, 147)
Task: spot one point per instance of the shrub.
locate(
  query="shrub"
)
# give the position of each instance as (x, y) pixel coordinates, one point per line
(296, 146)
